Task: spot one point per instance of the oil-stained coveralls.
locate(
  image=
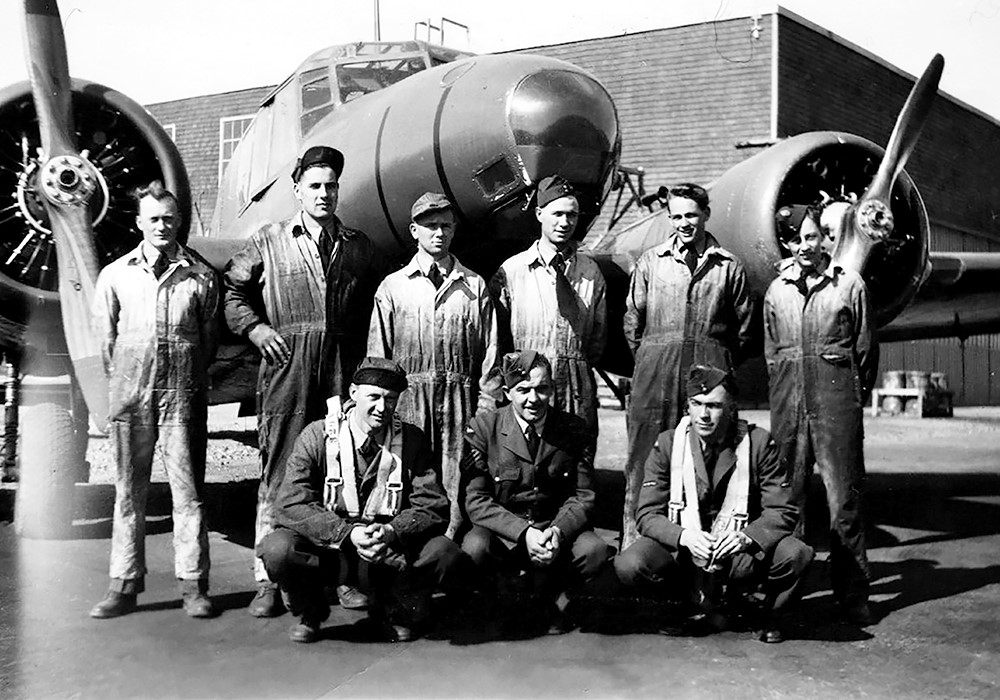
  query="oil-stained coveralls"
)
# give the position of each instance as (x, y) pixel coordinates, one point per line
(821, 361)
(158, 339)
(278, 278)
(568, 327)
(675, 318)
(445, 340)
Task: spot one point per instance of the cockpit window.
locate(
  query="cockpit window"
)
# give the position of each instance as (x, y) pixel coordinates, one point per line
(317, 96)
(364, 77)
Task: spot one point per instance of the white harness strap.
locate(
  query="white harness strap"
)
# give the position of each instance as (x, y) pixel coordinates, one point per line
(683, 507)
(341, 470)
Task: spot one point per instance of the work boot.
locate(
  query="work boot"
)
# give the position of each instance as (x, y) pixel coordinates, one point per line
(305, 631)
(114, 604)
(351, 598)
(857, 612)
(196, 600)
(267, 602)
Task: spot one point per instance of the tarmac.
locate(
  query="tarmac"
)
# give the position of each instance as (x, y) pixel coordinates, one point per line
(933, 506)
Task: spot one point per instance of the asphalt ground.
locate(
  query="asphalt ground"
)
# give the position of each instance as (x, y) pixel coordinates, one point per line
(933, 501)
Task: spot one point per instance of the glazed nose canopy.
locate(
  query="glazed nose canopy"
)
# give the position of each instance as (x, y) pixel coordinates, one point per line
(563, 122)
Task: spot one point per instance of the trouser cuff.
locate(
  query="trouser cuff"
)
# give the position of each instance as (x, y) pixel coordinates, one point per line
(127, 586)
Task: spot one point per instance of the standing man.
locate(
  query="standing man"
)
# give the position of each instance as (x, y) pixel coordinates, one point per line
(714, 501)
(361, 502)
(528, 471)
(688, 303)
(551, 298)
(435, 318)
(821, 360)
(155, 311)
(301, 291)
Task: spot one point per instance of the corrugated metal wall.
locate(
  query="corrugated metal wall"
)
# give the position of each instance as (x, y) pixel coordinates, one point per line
(973, 367)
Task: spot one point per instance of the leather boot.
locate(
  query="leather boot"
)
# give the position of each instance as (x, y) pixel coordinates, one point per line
(267, 602)
(114, 604)
(196, 600)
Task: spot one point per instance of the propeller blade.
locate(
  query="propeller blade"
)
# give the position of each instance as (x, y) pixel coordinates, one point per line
(905, 134)
(77, 277)
(48, 69)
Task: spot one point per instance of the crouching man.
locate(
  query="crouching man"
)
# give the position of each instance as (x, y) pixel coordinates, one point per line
(360, 503)
(715, 510)
(528, 473)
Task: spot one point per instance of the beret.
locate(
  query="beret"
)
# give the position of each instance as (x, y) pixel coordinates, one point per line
(378, 371)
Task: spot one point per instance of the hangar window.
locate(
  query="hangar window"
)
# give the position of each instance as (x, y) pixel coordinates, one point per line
(231, 130)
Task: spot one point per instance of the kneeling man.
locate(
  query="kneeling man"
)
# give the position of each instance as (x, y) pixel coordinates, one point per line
(715, 500)
(360, 503)
(528, 470)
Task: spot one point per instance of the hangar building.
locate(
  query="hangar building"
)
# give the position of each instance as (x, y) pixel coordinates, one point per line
(695, 100)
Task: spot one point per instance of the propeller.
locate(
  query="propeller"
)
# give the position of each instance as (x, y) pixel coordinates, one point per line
(870, 220)
(67, 181)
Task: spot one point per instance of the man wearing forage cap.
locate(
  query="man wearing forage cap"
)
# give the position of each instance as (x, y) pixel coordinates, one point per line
(821, 360)
(715, 502)
(551, 298)
(435, 317)
(301, 291)
(361, 503)
(528, 473)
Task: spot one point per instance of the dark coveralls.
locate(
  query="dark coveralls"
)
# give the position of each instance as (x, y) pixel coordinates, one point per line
(158, 339)
(507, 491)
(777, 560)
(674, 319)
(321, 309)
(311, 546)
(821, 360)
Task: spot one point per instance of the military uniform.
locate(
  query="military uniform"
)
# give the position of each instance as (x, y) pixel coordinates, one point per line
(674, 318)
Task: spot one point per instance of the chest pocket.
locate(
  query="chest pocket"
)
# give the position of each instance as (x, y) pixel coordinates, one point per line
(183, 307)
(507, 479)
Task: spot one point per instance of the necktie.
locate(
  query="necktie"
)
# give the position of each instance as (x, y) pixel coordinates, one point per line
(803, 284)
(565, 294)
(559, 264)
(161, 265)
(435, 276)
(691, 258)
(326, 243)
(531, 437)
(368, 449)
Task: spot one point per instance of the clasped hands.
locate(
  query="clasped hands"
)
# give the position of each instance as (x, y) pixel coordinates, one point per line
(707, 546)
(372, 541)
(543, 545)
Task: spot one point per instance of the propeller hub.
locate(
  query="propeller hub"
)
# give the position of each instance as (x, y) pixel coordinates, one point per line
(67, 180)
(874, 218)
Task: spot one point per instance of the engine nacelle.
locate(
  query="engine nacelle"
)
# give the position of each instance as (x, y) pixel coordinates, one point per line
(800, 170)
(126, 146)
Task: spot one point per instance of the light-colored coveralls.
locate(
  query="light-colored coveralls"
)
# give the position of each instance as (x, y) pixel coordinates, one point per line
(278, 279)
(446, 341)
(674, 319)
(158, 339)
(821, 361)
(571, 333)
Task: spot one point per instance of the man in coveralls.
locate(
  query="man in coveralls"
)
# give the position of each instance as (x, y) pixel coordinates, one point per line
(551, 299)
(688, 303)
(726, 518)
(301, 291)
(361, 502)
(435, 318)
(821, 361)
(155, 311)
(528, 472)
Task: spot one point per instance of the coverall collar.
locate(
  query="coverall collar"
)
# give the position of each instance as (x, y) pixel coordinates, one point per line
(672, 248)
(789, 270)
(568, 253)
(137, 256)
(297, 226)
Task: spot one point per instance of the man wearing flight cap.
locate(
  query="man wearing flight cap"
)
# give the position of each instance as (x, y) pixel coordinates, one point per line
(361, 503)
(528, 472)
(822, 356)
(715, 504)
(551, 298)
(301, 291)
(435, 317)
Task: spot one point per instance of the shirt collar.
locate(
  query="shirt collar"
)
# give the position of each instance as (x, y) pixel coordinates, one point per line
(789, 270)
(357, 434)
(137, 256)
(413, 268)
(300, 225)
(568, 253)
(672, 247)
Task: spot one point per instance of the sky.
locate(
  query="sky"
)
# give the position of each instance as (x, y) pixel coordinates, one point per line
(156, 51)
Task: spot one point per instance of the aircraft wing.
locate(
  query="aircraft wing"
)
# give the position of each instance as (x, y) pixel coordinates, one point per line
(961, 297)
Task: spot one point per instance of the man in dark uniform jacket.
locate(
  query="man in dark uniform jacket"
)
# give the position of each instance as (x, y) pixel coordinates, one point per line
(528, 473)
(738, 528)
(361, 503)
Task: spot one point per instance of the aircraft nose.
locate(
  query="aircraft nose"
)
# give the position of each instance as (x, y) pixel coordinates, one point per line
(564, 122)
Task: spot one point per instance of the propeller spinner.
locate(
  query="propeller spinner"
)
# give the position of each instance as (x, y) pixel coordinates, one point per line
(68, 181)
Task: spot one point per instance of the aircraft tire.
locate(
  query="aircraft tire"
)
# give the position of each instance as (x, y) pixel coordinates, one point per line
(48, 447)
